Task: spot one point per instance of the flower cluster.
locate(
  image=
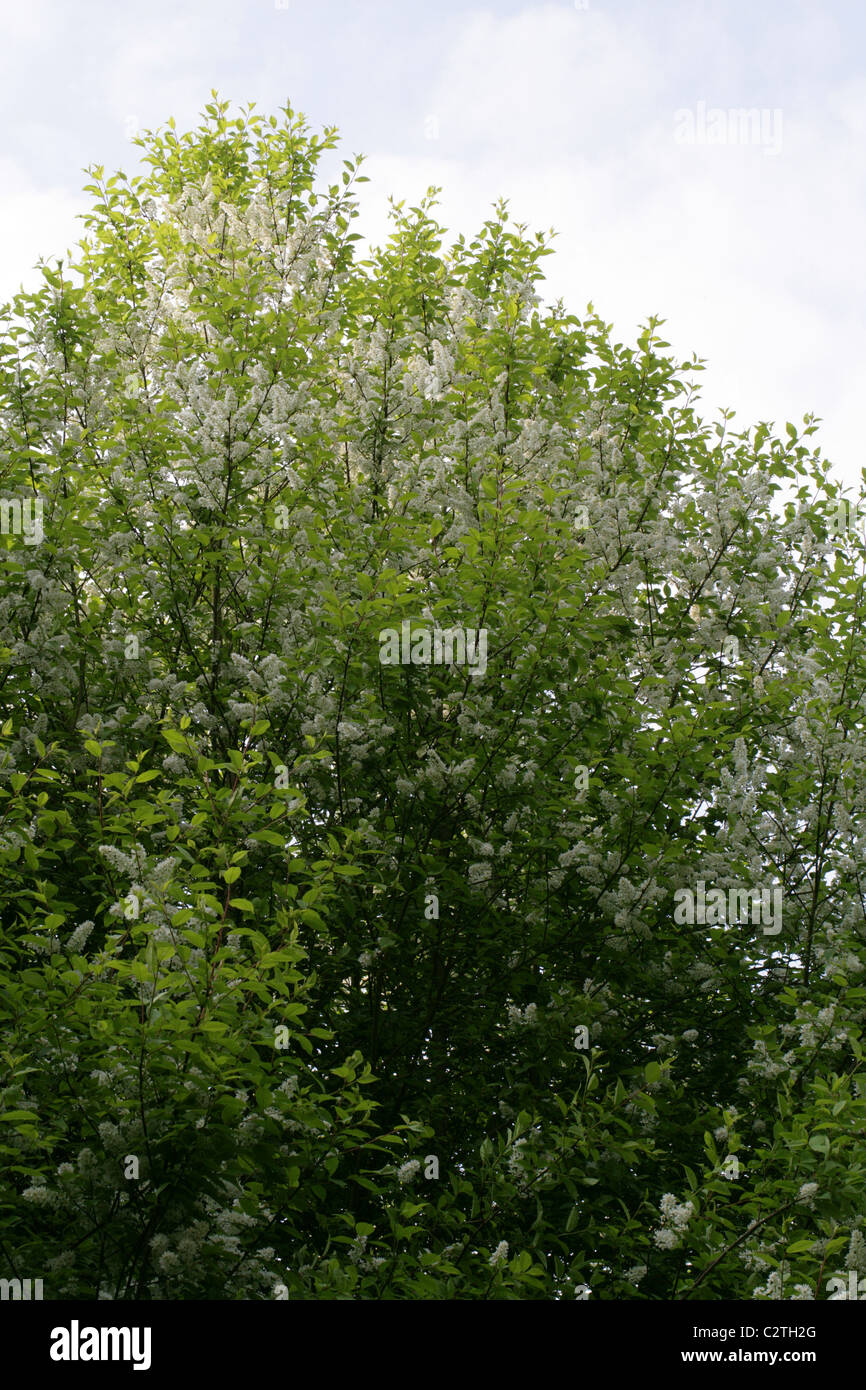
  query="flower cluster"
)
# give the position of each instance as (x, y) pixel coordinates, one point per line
(675, 1218)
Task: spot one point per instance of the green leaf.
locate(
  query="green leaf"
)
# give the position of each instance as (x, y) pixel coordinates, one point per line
(176, 741)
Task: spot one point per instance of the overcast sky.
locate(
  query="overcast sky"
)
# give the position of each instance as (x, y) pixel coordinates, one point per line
(613, 121)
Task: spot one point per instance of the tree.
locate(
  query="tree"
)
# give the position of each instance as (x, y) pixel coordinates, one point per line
(403, 675)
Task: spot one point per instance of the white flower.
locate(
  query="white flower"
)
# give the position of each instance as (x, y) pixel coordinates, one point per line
(79, 936)
(499, 1254)
(807, 1192)
(123, 863)
(65, 1260)
(635, 1274)
(518, 1017)
(108, 1132)
(40, 1195)
(666, 1239)
(690, 1035)
(357, 1249)
(675, 1218)
(856, 1257)
(674, 1213)
(774, 1286)
(514, 1158)
(408, 1171)
(164, 870)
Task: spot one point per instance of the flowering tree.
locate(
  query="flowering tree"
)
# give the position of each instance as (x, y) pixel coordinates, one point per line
(430, 797)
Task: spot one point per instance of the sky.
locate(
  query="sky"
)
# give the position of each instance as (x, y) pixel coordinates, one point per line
(614, 122)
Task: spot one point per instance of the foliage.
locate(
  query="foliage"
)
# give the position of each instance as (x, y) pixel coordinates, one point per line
(324, 977)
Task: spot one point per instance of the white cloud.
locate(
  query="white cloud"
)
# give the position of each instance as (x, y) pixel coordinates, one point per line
(35, 222)
(543, 81)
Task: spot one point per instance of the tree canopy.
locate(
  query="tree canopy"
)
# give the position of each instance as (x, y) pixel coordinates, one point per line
(386, 655)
